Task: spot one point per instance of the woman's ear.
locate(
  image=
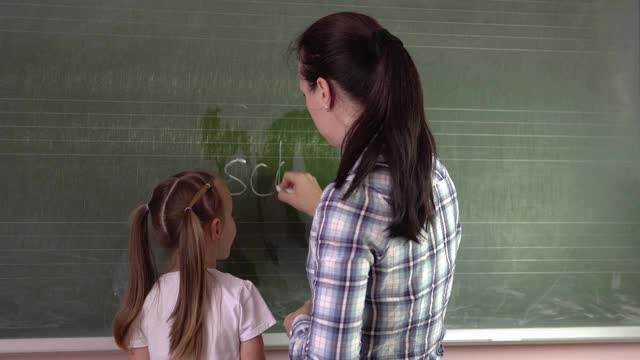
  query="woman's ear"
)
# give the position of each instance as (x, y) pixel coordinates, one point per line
(215, 229)
(324, 91)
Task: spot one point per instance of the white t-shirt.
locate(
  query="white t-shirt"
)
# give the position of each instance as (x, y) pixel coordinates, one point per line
(237, 313)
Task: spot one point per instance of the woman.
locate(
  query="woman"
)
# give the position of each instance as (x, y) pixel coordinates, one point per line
(386, 232)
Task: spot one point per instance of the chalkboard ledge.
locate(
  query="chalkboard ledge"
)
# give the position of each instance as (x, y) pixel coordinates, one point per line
(458, 337)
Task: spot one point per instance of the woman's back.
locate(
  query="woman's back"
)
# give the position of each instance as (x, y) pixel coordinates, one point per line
(236, 312)
(406, 284)
(411, 284)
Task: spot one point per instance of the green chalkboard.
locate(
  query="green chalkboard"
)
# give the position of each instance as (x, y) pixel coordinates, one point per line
(534, 105)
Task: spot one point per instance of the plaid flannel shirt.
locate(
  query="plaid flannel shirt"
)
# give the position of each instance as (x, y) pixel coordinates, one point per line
(377, 297)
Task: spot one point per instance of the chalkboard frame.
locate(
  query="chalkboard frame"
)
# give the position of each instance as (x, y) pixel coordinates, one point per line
(460, 337)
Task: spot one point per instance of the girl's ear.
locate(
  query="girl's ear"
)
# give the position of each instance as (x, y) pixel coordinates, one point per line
(215, 229)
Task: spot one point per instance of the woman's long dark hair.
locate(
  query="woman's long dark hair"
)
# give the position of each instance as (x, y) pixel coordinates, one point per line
(374, 68)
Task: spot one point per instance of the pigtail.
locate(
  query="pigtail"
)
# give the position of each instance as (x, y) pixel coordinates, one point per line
(142, 276)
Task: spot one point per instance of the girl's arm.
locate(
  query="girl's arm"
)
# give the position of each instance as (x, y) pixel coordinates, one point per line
(252, 349)
(139, 354)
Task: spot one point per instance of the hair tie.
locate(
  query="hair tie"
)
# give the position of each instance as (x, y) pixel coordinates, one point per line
(388, 37)
(382, 38)
(197, 196)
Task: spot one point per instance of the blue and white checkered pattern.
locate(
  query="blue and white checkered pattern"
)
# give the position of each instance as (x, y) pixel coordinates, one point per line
(376, 297)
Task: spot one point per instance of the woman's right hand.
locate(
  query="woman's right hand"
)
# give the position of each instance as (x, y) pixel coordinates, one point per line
(300, 190)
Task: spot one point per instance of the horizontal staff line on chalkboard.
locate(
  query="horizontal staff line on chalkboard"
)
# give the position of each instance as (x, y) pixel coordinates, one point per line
(550, 222)
(585, 2)
(244, 105)
(416, 8)
(203, 157)
(152, 129)
(275, 119)
(547, 260)
(167, 142)
(117, 101)
(271, 143)
(548, 272)
(148, 36)
(267, 28)
(226, 13)
(165, 37)
(87, 116)
(562, 51)
(538, 26)
(576, 235)
(236, 27)
(21, 236)
(547, 38)
(119, 21)
(579, 161)
(312, 131)
(293, 131)
(267, 143)
(463, 247)
(206, 157)
(209, 38)
(28, 140)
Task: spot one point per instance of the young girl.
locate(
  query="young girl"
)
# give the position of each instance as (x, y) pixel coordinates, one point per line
(194, 311)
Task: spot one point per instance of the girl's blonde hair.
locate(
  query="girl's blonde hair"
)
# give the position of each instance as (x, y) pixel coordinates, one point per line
(179, 209)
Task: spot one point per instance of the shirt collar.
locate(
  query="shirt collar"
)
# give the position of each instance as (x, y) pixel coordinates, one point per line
(380, 162)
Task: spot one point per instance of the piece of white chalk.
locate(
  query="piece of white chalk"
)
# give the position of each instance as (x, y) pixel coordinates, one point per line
(288, 190)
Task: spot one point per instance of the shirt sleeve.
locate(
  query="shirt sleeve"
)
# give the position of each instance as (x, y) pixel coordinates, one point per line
(137, 338)
(255, 316)
(333, 330)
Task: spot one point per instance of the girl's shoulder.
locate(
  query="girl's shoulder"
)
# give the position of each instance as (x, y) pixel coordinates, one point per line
(226, 278)
(167, 287)
(230, 285)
